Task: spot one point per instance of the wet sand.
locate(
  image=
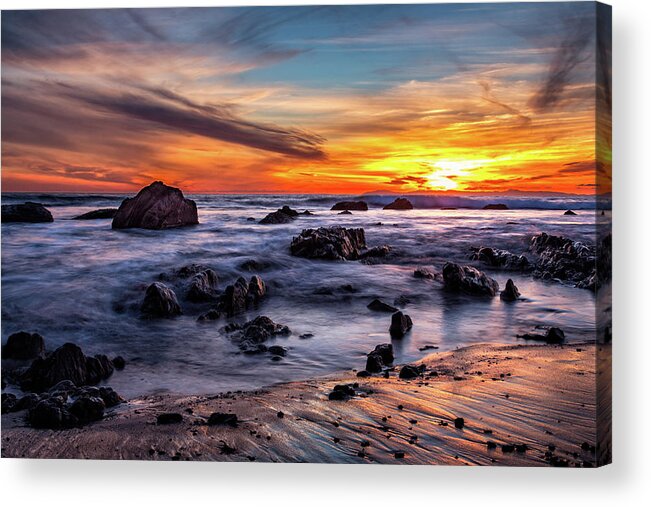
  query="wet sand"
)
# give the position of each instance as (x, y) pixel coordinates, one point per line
(536, 395)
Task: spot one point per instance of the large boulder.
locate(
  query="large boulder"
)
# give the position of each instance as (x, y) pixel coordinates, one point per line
(332, 243)
(510, 292)
(23, 346)
(379, 357)
(160, 301)
(156, 206)
(203, 286)
(32, 212)
(400, 203)
(350, 206)
(497, 258)
(468, 280)
(97, 214)
(235, 298)
(68, 362)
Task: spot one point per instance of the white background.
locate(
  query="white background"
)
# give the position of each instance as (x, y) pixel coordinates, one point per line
(626, 482)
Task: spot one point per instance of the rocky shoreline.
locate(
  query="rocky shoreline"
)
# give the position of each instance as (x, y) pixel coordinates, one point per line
(490, 405)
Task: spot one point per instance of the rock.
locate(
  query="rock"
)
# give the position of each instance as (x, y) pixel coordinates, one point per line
(426, 273)
(363, 374)
(374, 363)
(251, 335)
(571, 261)
(400, 324)
(569, 212)
(87, 409)
(342, 392)
(350, 206)
(209, 315)
(379, 306)
(253, 265)
(282, 216)
(156, 206)
(169, 418)
(97, 214)
(408, 372)
(23, 345)
(222, 419)
(235, 298)
(109, 396)
(27, 402)
(399, 455)
(119, 363)
(203, 286)
(510, 292)
(553, 335)
(31, 212)
(371, 255)
(307, 212)
(496, 206)
(385, 350)
(500, 258)
(333, 243)
(468, 280)
(68, 362)
(459, 423)
(160, 301)
(257, 288)
(277, 350)
(51, 413)
(345, 212)
(400, 203)
(8, 402)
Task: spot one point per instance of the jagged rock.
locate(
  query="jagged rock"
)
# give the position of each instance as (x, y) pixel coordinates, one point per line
(8, 402)
(97, 214)
(350, 206)
(209, 315)
(566, 260)
(31, 212)
(68, 362)
(257, 288)
(400, 324)
(277, 350)
(427, 274)
(569, 212)
(372, 255)
(496, 206)
(203, 286)
(250, 337)
(235, 298)
(23, 345)
(510, 292)
(379, 306)
(342, 392)
(282, 216)
(160, 301)
(156, 206)
(400, 203)
(500, 258)
(553, 335)
(468, 280)
(333, 243)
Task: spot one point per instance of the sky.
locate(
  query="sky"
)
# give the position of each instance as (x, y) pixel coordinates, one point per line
(315, 99)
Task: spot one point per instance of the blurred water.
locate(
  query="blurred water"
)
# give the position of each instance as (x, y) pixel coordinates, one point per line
(82, 282)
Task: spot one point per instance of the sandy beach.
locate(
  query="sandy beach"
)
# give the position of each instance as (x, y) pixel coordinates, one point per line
(522, 405)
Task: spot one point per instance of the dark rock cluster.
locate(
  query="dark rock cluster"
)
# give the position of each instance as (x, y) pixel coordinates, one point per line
(468, 280)
(332, 243)
(251, 336)
(503, 259)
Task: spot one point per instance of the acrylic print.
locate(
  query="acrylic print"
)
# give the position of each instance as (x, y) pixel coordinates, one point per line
(332, 234)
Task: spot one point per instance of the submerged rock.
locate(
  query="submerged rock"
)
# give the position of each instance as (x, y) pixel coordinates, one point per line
(500, 258)
(203, 286)
(510, 292)
(333, 243)
(68, 362)
(251, 336)
(427, 274)
(496, 206)
(160, 301)
(350, 205)
(468, 280)
(552, 335)
(31, 212)
(23, 345)
(400, 324)
(156, 206)
(98, 214)
(282, 216)
(400, 203)
(569, 212)
(379, 306)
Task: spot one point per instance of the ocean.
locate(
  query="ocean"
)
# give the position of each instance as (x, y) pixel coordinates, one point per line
(82, 282)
